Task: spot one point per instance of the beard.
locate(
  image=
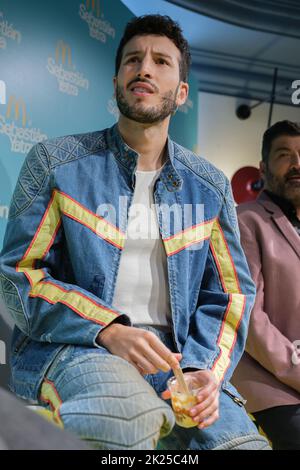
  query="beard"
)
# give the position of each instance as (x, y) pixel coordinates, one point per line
(145, 114)
(287, 189)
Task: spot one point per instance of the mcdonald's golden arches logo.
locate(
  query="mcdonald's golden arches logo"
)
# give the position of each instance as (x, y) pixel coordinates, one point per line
(94, 5)
(16, 105)
(63, 50)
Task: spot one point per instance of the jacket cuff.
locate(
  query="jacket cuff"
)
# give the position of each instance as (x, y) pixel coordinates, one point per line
(122, 319)
(185, 365)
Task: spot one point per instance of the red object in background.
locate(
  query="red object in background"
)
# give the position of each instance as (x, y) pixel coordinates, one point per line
(246, 184)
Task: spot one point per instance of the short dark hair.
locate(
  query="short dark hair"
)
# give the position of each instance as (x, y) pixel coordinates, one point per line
(160, 25)
(278, 129)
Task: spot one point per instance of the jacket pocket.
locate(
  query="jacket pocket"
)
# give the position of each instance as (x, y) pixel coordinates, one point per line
(98, 285)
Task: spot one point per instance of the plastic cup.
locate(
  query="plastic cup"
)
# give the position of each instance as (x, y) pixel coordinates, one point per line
(182, 402)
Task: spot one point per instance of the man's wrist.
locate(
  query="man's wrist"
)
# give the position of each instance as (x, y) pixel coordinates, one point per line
(105, 334)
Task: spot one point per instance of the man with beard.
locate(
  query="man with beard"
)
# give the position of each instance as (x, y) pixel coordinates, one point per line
(269, 372)
(108, 296)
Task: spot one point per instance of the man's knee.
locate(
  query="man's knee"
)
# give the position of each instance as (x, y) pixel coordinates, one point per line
(107, 402)
(128, 420)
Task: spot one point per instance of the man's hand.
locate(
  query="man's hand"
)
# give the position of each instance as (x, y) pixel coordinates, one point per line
(142, 348)
(206, 412)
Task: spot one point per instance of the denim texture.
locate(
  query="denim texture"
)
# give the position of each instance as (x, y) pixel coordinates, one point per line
(61, 254)
(109, 404)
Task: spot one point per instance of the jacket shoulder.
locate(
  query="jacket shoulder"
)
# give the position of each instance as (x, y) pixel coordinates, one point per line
(202, 168)
(43, 157)
(71, 147)
(249, 209)
(253, 215)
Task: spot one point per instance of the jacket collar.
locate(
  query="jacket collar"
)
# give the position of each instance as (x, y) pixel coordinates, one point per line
(280, 219)
(127, 158)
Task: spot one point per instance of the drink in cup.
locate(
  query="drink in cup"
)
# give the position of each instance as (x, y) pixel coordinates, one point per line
(183, 402)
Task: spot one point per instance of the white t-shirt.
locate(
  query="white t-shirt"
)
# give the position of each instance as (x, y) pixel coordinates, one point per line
(142, 290)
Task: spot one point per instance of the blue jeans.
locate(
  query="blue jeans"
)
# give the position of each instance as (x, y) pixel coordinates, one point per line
(104, 399)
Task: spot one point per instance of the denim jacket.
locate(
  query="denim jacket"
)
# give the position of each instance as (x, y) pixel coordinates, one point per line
(64, 239)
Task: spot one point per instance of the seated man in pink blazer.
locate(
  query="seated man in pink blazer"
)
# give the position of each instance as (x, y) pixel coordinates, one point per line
(269, 373)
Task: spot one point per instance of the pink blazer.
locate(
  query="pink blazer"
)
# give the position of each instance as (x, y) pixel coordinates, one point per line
(269, 372)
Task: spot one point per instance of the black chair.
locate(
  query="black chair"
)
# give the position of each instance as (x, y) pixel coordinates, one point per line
(22, 429)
